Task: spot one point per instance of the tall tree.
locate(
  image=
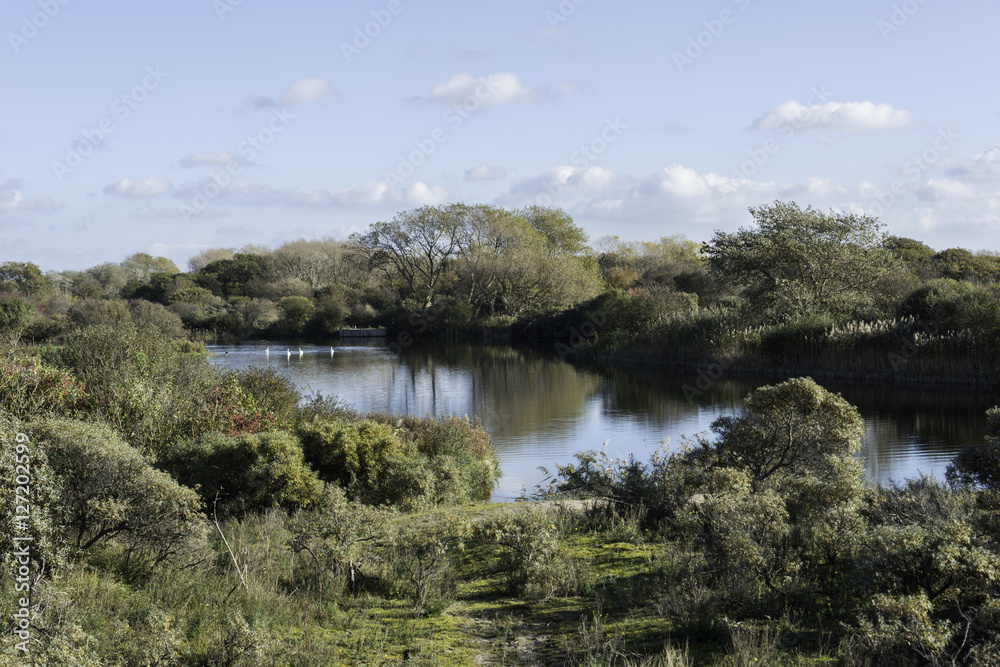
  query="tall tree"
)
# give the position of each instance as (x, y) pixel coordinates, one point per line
(799, 262)
(413, 250)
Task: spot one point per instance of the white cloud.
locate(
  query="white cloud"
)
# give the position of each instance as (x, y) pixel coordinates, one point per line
(366, 195)
(485, 172)
(210, 159)
(313, 89)
(303, 91)
(938, 189)
(490, 90)
(839, 116)
(148, 187)
(11, 199)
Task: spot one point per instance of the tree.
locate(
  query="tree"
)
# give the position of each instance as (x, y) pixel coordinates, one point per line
(231, 277)
(793, 427)
(23, 278)
(562, 236)
(207, 256)
(414, 249)
(15, 316)
(801, 262)
(960, 264)
(146, 264)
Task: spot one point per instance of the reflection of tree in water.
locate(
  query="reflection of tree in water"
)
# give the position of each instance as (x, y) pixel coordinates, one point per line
(903, 423)
(517, 392)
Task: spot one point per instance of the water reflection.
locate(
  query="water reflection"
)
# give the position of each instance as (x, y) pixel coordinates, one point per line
(540, 411)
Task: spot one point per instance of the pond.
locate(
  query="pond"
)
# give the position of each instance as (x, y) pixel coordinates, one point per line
(541, 410)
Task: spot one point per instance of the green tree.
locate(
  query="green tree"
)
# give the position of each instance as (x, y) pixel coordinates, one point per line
(412, 252)
(16, 315)
(562, 235)
(24, 278)
(795, 427)
(799, 262)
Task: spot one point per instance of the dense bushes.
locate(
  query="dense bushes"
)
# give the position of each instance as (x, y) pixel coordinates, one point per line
(245, 472)
(777, 511)
(404, 461)
(108, 490)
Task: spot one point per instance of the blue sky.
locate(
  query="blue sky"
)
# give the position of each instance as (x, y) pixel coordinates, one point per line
(172, 127)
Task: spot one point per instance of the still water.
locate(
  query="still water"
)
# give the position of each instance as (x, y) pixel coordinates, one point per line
(540, 410)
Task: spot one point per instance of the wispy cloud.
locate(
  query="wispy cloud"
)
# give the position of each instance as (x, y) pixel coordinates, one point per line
(11, 199)
(485, 172)
(303, 91)
(489, 90)
(210, 160)
(147, 187)
(837, 116)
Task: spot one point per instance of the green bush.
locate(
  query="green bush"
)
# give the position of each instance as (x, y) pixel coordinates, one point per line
(953, 305)
(110, 491)
(335, 539)
(21, 455)
(31, 388)
(246, 472)
(356, 455)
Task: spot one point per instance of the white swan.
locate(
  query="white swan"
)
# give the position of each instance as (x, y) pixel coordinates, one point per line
(288, 353)
(300, 353)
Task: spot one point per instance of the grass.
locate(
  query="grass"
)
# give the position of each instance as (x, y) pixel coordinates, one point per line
(625, 606)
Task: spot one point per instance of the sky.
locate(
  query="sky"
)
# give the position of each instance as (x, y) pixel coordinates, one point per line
(171, 127)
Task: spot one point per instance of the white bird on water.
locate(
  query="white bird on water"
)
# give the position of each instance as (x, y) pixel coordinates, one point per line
(267, 351)
(300, 353)
(288, 353)
(331, 351)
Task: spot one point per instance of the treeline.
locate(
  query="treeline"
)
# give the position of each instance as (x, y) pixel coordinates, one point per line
(798, 291)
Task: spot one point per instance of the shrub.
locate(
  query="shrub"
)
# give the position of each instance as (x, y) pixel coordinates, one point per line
(355, 455)
(20, 455)
(953, 304)
(250, 472)
(979, 465)
(335, 539)
(110, 491)
(530, 557)
(30, 388)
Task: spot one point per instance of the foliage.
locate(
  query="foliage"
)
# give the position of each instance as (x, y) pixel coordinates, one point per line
(30, 387)
(16, 315)
(110, 491)
(244, 472)
(792, 427)
(800, 262)
(336, 537)
(20, 455)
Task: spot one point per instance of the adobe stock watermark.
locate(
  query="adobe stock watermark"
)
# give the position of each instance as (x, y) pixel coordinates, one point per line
(918, 164)
(121, 108)
(22, 540)
(32, 25)
(370, 31)
(900, 16)
(563, 12)
(248, 151)
(702, 41)
(909, 347)
(580, 336)
(224, 7)
(758, 157)
(708, 375)
(426, 147)
(584, 158)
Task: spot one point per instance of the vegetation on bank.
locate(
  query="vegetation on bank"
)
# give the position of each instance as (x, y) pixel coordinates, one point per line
(312, 544)
(798, 292)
